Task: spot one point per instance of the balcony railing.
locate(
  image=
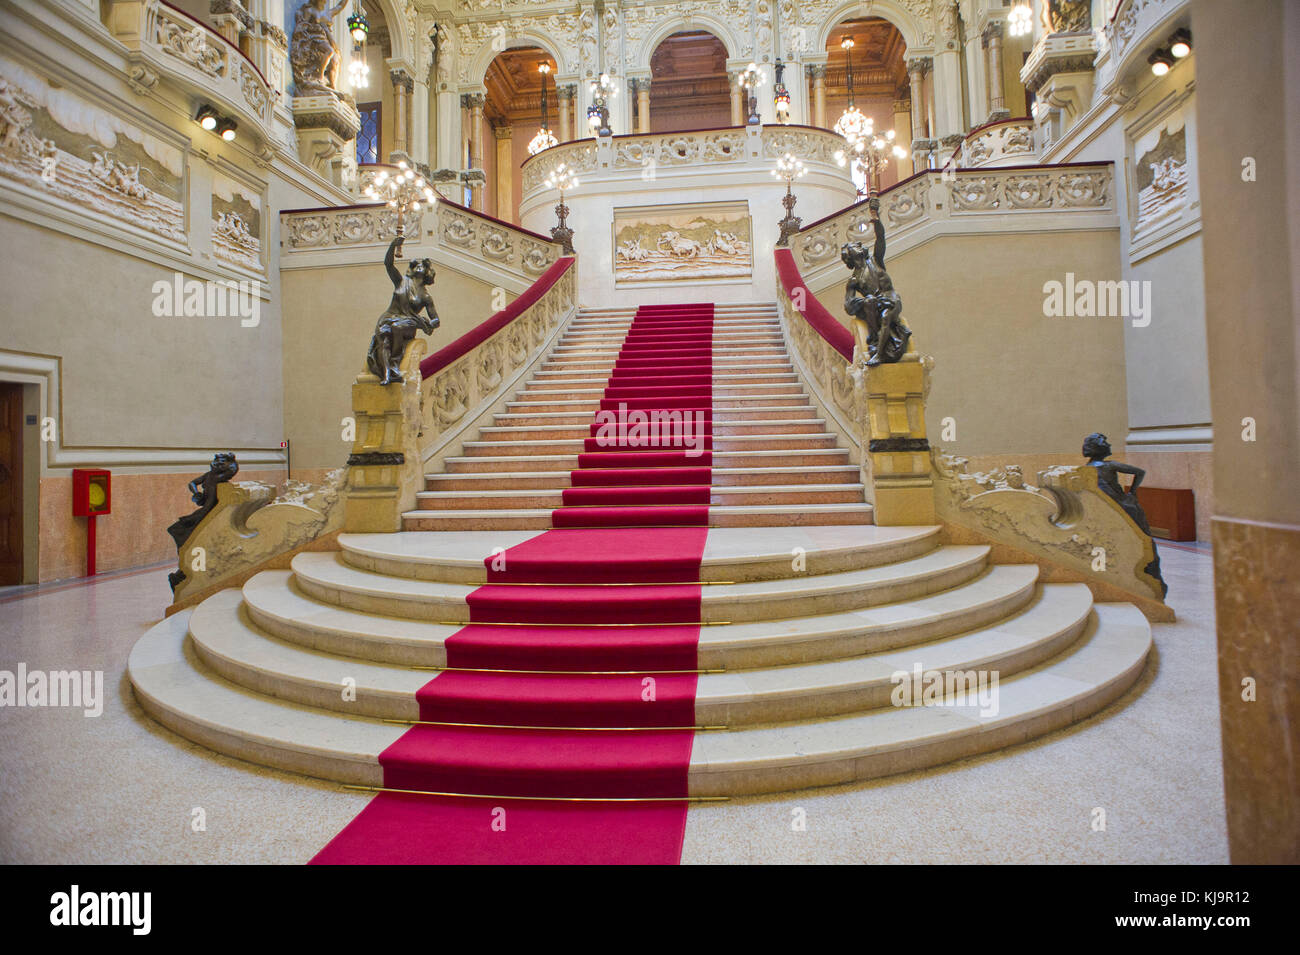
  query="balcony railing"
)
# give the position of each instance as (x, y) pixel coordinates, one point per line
(1067, 195)
(164, 41)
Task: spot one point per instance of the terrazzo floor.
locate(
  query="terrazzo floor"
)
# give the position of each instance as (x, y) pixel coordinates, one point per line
(121, 789)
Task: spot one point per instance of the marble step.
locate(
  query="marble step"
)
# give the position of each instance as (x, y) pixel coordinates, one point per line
(227, 641)
(792, 495)
(179, 691)
(721, 477)
(331, 579)
(582, 429)
(277, 605)
(723, 443)
(740, 515)
(585, 379)
(730, 554)
(784, 458)
(722, 418)
(590, 401)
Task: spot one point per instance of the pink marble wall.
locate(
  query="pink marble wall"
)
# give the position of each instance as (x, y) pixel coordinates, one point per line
(133, 535)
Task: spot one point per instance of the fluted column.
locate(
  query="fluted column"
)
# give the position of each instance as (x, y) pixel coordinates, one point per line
(402, 86)
(642, 104)
(993, 52)
(565, 95)
(917, 67)
(505, 172)
(818, 74)
(476, 143)
(902, 124)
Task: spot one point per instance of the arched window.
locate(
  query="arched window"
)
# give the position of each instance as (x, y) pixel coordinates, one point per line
(689, 87)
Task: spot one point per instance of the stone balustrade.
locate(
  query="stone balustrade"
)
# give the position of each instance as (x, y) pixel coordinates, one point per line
(751, 148)
(462, 233)
(952, 201)
(1003, 143)
(163, 41)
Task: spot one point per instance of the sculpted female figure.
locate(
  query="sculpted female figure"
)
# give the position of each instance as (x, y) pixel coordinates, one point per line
(1096, 448)
(396, 328)
(871, 299)
(313, 54)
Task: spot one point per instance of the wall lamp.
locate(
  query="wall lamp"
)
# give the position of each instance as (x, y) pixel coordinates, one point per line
(1180, 45)
(214, 122)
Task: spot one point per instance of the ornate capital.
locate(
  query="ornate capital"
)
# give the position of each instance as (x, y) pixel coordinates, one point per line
(902, 106)
(567, 91)
(991, 32)
(473, 100)
(401, 80)
(503, 132)
(817, 71)
(920, 65)
(231, 8)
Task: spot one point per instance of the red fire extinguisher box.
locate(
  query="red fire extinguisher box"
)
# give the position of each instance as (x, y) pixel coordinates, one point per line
(92, 492)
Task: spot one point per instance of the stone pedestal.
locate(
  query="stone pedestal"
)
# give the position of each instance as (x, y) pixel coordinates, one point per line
(385, 470)
(896, 460)
(327, 127)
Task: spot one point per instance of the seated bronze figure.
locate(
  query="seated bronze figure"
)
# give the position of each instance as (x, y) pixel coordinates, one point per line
(203, 492)
(1096, 448)
(870, 298)
(396, 328)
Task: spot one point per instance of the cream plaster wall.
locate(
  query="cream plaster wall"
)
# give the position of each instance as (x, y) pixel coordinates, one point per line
(1012, 379)
(329, 315)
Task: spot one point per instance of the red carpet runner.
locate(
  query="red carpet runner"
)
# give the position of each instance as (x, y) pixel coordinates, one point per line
(548, 723)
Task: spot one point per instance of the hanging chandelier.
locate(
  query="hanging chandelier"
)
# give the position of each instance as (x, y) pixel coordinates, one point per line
(358, 25)
(358, 69)
(853, 124)
(544, 139)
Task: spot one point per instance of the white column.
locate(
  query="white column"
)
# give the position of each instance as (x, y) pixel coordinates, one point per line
(418, 140)
(564, 93)
(949, 117)
(402, 86)
(997, 94)
(977, 97)
(449, 133)
(818, 73)
(642, 104)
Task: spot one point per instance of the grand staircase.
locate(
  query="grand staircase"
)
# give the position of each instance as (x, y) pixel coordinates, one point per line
(807, 610)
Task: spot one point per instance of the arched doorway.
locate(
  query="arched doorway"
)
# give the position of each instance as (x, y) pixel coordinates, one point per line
(689, 86)
(878, 62)
(512, 116)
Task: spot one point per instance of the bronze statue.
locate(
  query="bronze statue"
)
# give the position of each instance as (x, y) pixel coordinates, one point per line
(313, 54)
(396, 328)
(1096, 448)
(870, 298)
(203, 492)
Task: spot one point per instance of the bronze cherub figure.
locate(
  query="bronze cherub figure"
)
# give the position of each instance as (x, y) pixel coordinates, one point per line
(396, 328)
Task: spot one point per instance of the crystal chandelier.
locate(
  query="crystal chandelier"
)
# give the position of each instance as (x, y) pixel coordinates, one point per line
(403, 191)
(868, 156)
(853, 124)
(1020, 20)
(544, 138)
(358, 69)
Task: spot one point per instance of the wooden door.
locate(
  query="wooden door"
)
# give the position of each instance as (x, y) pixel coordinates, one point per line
(11, 483)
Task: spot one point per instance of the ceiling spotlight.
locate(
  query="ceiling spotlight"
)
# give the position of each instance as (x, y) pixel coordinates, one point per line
(1160, 62)
(1180, 44)
(226, 129)
(207, 118)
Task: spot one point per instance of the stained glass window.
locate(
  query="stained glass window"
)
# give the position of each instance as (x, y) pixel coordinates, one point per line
(368, 138)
